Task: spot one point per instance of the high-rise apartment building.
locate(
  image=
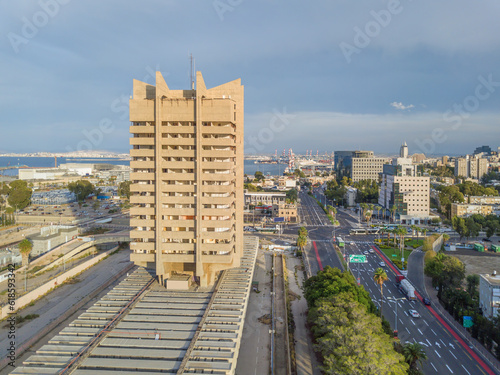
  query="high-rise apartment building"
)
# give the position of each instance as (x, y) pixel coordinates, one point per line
(367, 168)
(471, 167)
(187, 178)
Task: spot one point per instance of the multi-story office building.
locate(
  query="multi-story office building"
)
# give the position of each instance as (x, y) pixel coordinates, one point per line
(471, 167)
(343, 161)
(484, 199)
(489, 294)
(187, 178)
(367, 168)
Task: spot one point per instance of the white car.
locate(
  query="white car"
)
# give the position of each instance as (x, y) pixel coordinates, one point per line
(371, 251)
(414, 313)
(366, 252)
(382, 264)
(352, 243)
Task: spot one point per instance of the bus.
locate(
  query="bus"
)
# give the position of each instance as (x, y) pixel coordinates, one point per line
(373, 231)
(355, 231)
(340, 242)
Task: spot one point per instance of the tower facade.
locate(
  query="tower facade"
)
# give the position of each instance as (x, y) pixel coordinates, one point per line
(187, 178)
(403, 151)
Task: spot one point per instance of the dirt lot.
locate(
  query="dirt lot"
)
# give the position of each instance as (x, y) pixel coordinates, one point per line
(476, 262)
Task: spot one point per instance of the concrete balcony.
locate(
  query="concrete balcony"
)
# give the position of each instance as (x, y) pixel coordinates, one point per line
(218, 176)
(178, 153)
(218, 130)
(177, 223)
(177, 176)
(146, 246)
(217, 200)
(218, 165)
(219, 141)
(142, 234)
(142, 187)
(217, 188)
(170, 246)
(178, 211)
(143, 141)
(179, 188)
(142, 176)
(218, 223)
(217, 211)
(178, 258)
(142, 222)
(177, 129)
(136, 211)
(178, 141)
(142, 164)
(136, 199)
(223, 259)
(142, 152)
(178, 235)
(217, 236)
(142, 257)
(218, 153)
(178, 164)
(179, 200)
(142, 129)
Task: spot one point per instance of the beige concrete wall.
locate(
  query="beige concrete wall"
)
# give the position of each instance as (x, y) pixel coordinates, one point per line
(34, 294)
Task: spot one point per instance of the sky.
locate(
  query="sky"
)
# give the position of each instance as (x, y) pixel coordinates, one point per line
(318, 75)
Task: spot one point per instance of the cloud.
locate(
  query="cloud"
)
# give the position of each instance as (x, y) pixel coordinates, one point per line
(401, 106)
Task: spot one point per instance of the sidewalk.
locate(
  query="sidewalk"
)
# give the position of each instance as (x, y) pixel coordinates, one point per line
(304, 352)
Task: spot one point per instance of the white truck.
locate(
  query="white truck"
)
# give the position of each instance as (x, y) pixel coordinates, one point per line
(407, 289)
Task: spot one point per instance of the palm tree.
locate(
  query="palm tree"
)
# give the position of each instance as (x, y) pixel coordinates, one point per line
(378, 208)
(25, 247)
(380, 278)
(414, 354)
(301, 242)
(393, 212)
(424, 231)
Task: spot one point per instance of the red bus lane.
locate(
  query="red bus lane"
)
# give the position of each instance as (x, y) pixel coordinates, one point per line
(317, 256)
(440, 320)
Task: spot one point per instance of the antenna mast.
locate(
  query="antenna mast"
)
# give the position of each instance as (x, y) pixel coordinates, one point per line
(192, 71)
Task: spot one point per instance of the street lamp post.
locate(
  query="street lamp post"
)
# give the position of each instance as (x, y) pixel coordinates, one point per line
(395, 300)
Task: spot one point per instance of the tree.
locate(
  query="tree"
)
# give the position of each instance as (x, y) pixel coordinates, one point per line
(299, 173)
(301, 242)
(291, 195)
(19, 195)
(25, 247)
(380, 278)
(259, 176)
(124, 189)
(352, 341)
(472, 285)
(414, 354)
(81, 189)
(393, 210)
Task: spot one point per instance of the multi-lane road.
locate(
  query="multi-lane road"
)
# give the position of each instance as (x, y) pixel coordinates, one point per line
(447, 353)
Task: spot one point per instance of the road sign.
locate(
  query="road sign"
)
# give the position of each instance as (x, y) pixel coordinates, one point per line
(357, 259)
(468, 321)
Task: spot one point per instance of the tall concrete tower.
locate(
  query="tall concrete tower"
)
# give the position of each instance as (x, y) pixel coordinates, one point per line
(187, 178)
(403, 152)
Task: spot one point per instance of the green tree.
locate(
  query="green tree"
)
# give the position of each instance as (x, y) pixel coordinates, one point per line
(301, 242)
(82, 189)
(414, 354)
(25, 247)
(472, 285)
(19, 195)
(259, 176)
(291, 195)
(124, 189)
(299, 173)
(351, 341)
(380, 278)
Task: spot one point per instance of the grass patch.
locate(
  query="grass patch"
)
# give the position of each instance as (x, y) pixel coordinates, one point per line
(390, 251)
(414, 243)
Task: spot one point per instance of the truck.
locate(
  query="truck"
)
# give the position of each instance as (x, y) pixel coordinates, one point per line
(399, 278)
(407, 289)
(479, 247)
(495, 248)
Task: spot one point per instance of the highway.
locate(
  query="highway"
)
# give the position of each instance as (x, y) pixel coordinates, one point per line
(447, 353)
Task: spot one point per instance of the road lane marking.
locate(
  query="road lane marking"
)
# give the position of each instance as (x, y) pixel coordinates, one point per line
(412, 322)
(428, 342)
(433, 332)
(420, 331)
(449, 369)
(466, 370)
(453, 354)
(442, 342)
(434, 367)
(425, 322)
(407, 330)
(437, 353)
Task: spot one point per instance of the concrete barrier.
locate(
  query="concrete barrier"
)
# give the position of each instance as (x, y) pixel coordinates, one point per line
(45, 288)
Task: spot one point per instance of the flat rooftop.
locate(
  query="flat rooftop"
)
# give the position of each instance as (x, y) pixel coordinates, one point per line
(140, 327)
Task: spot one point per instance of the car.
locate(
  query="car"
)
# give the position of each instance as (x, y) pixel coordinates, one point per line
(366, 252)
(382, 264)
(352, 243)
(414, 313)
(486, 240)
(426, 301)
(371, 251)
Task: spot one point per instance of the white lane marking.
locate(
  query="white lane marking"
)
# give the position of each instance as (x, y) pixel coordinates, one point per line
(425, 322)
(435, 367)
(442, 342)
(420, 331)
(466, 370)
(449, 369)
(401, 321)
(407, 330)
(412, 322)
(428, 342)
(453, 354)
(433, 331)
(437, 353)
(406, 313)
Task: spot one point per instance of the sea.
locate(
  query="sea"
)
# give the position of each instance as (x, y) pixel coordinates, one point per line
(250, 167)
